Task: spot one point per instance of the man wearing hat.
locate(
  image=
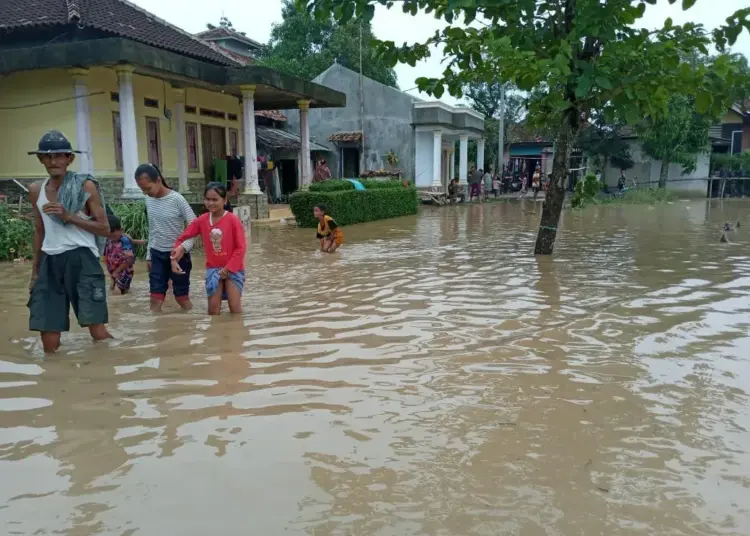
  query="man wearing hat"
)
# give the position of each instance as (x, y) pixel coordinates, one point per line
(71, 228)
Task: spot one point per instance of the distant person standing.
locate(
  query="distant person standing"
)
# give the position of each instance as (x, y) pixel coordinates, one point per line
(536, 181)
(475, 181)
(487, 183)
(70, 231)
(322, 173)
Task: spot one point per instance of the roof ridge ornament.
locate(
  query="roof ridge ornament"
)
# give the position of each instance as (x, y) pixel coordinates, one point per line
(74, 12)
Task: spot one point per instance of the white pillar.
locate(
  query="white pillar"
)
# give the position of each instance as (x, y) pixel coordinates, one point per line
(304, 134)
(437, 151)
(452, 169)
(128, 132)
(182, 156)
(463, 158)
(251, 149)
(83, 119)
(480, 154)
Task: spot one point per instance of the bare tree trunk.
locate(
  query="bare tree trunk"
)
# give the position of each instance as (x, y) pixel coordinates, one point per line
(664, 173)
(553, 201)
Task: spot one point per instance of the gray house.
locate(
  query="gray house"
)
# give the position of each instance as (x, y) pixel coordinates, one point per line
(421, 135)
(384, 114)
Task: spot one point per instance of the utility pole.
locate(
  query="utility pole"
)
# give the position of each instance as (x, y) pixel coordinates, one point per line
(501, 133)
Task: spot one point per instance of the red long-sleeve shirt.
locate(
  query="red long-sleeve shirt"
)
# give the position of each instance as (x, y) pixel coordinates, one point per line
(223, 242)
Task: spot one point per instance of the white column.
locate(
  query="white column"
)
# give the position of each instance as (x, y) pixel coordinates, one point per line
(83, 119)
(437, 151)
(463, 158)
(129, 133)
(452, 168)
(181, 140)
(251, 149)
(480, 153)
(304, 134)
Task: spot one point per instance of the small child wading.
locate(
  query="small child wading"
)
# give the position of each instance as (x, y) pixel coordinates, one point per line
(225, 246)
(329, 233)
(120, 257)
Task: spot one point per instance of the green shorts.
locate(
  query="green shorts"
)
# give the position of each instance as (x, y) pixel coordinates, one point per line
(74, 278)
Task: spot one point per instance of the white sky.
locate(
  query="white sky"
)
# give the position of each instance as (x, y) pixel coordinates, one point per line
(256, 16)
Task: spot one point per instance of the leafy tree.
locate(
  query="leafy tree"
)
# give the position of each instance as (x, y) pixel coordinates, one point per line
(676, 137)
(485, 99)
(305, 46)
(588, 54)
(224, 22)
(606, 144)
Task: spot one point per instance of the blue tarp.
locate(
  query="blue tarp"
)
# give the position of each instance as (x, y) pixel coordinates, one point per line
(357, 185)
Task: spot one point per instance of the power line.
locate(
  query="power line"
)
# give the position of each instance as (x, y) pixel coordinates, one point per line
(43, 103)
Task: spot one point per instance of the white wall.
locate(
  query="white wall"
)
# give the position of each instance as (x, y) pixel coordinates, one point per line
(646, 170)
(423, 164)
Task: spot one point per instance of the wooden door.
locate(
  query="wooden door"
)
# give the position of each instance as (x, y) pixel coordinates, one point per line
(214, 146)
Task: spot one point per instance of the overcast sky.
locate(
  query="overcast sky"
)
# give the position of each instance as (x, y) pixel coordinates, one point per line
(255, 17)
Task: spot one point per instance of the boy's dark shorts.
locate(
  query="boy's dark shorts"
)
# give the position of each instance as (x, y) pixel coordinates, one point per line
(74, 278)
(161, 273)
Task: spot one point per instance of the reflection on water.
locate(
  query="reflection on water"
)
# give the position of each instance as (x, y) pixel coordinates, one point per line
(433, 378)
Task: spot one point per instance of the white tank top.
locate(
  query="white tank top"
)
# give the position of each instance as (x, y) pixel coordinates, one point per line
(59, 238)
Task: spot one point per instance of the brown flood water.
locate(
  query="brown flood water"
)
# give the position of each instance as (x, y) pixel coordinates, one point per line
(432, 379)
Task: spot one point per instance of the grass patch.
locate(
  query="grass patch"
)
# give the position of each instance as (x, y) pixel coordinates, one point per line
(16, 234)
(640, 196)
(134, 222)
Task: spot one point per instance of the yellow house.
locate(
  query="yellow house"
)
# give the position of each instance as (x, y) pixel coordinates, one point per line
(127, 87)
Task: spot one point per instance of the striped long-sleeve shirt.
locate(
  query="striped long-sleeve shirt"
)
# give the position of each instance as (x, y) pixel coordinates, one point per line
(167, 218)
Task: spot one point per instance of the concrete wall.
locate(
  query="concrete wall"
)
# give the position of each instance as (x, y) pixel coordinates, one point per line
(21, 128)
(387, 120)
(647, 170)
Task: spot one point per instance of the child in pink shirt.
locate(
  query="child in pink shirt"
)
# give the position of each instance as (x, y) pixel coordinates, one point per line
(224, 244)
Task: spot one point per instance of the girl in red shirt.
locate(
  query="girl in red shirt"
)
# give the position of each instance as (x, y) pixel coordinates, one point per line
(224, 243)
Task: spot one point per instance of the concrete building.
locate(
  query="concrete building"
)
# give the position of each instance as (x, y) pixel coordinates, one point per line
(421, 135)
(732, 133)
(127, 87)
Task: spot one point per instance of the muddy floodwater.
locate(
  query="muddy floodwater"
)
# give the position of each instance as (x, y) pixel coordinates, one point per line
(434, 378)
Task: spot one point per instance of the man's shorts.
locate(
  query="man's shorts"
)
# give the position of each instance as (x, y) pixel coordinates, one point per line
(74, 278)
(161, 273)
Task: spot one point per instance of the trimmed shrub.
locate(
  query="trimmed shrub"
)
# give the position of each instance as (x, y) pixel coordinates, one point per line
(355, 206)
(16, 235)
(339, 185)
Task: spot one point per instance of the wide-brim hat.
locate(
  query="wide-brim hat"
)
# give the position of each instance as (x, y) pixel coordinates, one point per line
(54, 142)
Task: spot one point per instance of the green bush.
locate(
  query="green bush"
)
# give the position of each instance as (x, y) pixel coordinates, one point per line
(339, 185)
(586, 190)
(16, 235)
(134, 222)
(355, 206)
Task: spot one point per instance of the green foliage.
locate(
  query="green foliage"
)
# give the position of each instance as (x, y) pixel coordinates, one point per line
(485, 98)
(353, 206)
(336, 185)
(604, 142)
(134, 222)
(304, 46)
(16, 235)
(735, 162)
(677, 137)
(586, 191)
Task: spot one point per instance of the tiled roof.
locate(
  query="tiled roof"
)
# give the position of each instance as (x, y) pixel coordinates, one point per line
(117, 17)
(274, 115)
(275, 138)
(234, 56)
(225, 33)
(345, 136)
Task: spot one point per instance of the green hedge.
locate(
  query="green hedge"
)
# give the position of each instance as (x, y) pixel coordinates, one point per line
(134, 222)
(337, 185)
(355, 206)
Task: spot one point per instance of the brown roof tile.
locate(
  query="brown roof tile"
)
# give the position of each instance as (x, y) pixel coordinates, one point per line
(117, 17)
(274, 115)
(345, 136)
(225, 33)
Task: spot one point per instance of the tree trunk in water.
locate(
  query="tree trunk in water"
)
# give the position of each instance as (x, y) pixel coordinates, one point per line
(664, 173)
(553, 201)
